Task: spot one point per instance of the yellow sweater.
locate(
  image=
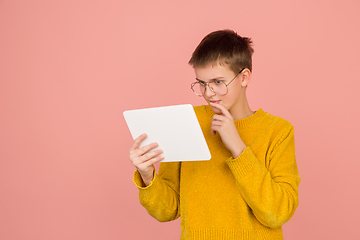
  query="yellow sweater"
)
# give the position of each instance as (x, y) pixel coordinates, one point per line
(249, 197)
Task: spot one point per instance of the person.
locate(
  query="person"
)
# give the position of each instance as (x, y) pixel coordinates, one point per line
(249, 187)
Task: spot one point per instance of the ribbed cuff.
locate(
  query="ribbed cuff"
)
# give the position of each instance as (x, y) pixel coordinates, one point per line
(150, 191)
(243, 164)
(139, 182)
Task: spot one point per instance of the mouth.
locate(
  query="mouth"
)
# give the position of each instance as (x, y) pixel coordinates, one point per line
(214, 101)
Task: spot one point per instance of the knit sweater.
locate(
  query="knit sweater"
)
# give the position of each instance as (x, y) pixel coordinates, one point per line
(249, 197)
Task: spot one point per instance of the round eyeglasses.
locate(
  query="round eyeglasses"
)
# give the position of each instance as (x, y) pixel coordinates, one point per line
(218, 87)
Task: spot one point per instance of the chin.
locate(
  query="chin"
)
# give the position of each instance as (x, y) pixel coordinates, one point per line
(216, 110)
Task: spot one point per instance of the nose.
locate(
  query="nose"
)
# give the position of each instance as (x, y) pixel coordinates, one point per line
(209, 91)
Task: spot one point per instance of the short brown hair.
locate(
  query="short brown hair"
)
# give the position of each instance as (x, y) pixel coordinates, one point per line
(224, 46)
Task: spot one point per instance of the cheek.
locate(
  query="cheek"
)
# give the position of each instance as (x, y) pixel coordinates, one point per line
(230, 98)
(234, 93)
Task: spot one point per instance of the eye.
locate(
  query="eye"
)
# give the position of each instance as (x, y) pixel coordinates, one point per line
(201, 83)
(218, 82)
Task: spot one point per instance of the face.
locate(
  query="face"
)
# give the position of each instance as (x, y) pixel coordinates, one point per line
(235, 100)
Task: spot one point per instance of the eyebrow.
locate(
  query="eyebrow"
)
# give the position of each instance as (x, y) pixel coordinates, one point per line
(213, 79)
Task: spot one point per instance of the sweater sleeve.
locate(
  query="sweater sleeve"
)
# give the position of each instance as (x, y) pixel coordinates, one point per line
(270, 190)
(161, 198)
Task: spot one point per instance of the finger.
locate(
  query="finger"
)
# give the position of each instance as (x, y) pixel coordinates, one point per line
(223, 110)
(136, 154)
(156, 159)
(149, 155)
(144, 166)
(213, 132)
(214, 127)
(143, 150)
(217, 123)
(137, 142)
(219, 118)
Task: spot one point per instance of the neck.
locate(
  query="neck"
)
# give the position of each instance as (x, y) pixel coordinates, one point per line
(242, 109)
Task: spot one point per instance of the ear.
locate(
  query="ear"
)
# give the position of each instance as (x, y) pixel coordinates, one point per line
(245, 77)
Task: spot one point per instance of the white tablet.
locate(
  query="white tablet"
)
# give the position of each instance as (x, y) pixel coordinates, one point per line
(175, 128)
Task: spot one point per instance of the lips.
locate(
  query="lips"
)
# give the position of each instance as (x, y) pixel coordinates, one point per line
(215, 101)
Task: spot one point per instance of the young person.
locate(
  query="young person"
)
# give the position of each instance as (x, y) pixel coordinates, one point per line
(249, 188)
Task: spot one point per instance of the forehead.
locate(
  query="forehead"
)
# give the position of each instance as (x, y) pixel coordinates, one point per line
(213, 71)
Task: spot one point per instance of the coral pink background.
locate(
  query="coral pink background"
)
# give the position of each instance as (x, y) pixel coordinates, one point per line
(68, 69)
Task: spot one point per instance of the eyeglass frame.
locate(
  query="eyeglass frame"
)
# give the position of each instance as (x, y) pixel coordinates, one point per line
(207, 85)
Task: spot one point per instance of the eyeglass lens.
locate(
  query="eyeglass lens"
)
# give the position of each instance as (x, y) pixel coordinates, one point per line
(219, 88)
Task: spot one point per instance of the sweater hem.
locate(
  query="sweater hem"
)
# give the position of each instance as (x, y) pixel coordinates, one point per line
(234, 234)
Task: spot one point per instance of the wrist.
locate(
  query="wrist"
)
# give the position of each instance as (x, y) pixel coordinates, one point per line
(237, 151)
(147, 178)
